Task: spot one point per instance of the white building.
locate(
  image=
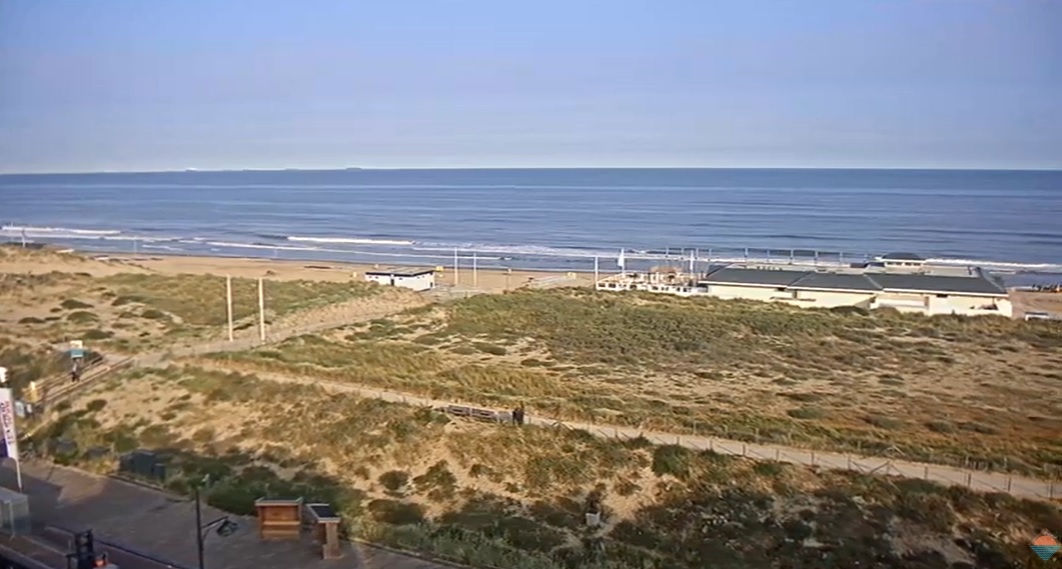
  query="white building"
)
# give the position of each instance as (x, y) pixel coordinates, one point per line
(412, 278)
(903, 288)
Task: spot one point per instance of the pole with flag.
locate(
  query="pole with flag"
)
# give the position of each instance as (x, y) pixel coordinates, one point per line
(7, 420)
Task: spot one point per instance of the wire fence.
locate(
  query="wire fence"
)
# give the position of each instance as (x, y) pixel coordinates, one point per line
(1021, 486)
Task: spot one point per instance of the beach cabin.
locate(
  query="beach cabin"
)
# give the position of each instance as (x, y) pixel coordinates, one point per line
(412, 278)
(902, 261)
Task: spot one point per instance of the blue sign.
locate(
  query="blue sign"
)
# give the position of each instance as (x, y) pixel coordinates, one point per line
(77, 353)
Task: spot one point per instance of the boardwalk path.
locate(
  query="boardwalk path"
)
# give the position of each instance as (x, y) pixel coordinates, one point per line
(976, 479)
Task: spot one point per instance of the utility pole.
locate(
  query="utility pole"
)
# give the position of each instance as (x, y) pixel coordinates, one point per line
(261, 309)
(228, 303)
(457, 275)
(475, 276)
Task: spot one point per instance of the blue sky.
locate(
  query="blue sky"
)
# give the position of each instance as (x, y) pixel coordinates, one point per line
(211, 84)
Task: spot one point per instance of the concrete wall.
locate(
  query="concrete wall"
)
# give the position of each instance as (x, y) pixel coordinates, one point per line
(418, 283)
(830, 298)
(970, 305)
(746, 292)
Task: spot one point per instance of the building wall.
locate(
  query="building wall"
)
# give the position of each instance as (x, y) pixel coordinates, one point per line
(417, 283)
(831, 298)
(969, 305)
(746, 292)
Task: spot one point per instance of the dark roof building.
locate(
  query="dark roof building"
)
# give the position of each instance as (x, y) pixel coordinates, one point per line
(854, 282)
(753, 277)
(902, 257)
(937, 284)
(400, 271)
(836, 281)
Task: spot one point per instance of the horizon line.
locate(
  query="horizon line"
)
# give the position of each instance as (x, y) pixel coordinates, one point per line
(467, 168)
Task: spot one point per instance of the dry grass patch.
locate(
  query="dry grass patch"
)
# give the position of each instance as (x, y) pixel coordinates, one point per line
(517, 497)
(872, 384)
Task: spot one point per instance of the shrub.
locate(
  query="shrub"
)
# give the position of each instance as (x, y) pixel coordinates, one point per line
(491, 349)
(96, 405)
(396, 513)
(672, 460)
(806, 412)
(82, 317)
(72, 304)
(394, 480)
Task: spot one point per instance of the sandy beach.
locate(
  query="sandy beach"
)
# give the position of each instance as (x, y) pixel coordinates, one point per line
(485, 280)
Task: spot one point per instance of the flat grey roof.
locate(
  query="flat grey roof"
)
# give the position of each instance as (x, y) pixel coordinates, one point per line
(763, 277)
(400, 271)
(834, 281)
(902, 257)
(937, 284)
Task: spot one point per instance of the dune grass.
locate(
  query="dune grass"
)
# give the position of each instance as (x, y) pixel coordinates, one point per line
(925, 389)
(517, 497)
(199, 300)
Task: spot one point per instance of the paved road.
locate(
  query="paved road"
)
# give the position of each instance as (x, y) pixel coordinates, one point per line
(147, 520)
(976, 479)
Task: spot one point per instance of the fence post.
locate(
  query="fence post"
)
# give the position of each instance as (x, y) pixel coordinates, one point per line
(678, 442)
(1010, 479)
(1051, 489)
(776, 454)
(849, 457)
(744, 449)
(969, 479)
(711, 444)
(925, 474)
(812, 458)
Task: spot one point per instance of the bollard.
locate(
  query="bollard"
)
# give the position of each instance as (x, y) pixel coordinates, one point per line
(969, 479)
(812, 458)
(925, 473)
(711, 444)
(1010, 479)
(744, 449)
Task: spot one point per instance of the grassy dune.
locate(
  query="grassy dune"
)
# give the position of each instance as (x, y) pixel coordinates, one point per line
(971, 391)
(133, 311)
(517, 497)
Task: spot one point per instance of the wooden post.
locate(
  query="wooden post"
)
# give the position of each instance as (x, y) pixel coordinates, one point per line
(261, 310)
(228, 303)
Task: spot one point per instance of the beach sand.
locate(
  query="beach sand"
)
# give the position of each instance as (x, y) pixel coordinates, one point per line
(18, 261)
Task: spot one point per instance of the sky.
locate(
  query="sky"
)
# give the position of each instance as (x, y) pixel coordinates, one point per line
(134, 85)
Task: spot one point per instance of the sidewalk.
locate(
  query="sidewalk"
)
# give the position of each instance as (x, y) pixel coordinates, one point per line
(163, 526)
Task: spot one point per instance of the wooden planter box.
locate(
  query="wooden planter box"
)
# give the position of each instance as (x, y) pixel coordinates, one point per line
(326, 529)
(279, 519)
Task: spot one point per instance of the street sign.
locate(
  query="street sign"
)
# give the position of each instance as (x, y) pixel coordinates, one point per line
(77, 349)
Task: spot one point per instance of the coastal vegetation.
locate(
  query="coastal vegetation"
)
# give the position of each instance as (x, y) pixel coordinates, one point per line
(955, 390)
(517, 497)
(130, 311)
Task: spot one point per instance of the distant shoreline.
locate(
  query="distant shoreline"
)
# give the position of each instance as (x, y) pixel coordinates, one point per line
(194, 171)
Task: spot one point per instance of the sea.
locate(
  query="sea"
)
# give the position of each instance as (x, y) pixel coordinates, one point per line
(1008, 222)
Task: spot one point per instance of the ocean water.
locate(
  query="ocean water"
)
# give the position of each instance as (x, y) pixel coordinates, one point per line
(1007, 221)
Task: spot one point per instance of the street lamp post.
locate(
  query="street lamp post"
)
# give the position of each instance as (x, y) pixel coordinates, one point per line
(225, 526)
